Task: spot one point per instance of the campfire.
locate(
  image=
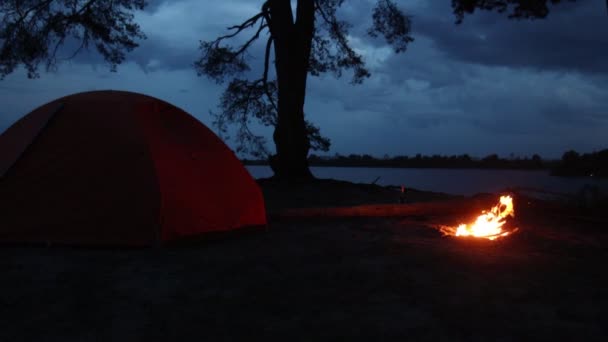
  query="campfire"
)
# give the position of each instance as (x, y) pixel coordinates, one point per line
(488, 225)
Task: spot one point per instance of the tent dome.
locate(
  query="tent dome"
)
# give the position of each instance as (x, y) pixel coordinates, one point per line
(115, 167)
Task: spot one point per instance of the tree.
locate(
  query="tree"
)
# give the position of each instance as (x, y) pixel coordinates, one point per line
(313, 42)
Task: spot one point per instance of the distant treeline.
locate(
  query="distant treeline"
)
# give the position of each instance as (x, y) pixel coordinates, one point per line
(419, 161)
(589, 164)
(571, 164)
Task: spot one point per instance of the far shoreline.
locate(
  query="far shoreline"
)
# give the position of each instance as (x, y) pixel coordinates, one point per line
(260, 163)
(571, 165)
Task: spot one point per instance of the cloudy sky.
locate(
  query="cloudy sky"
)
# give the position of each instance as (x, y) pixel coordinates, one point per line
(489, 85)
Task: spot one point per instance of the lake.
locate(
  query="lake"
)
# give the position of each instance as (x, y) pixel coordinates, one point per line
(454, 181)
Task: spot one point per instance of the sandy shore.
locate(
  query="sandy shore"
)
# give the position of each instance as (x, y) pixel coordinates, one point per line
(317, 279)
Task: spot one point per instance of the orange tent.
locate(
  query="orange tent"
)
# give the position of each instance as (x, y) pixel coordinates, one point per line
(114, 167)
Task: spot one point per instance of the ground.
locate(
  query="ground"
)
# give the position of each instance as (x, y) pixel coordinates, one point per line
(319, 278)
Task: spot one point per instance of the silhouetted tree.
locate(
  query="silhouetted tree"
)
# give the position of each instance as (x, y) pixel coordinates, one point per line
(490, 161)
(314, 41)
(589, 164)
(571, 157)
(537, 161)
(572, 164)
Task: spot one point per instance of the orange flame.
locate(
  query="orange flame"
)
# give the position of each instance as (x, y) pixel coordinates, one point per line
(488, 225)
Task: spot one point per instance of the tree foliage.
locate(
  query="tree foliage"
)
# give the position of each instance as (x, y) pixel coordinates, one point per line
(516, 9)
(32, 31)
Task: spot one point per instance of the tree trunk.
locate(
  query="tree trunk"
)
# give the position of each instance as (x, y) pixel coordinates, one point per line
(292, 44)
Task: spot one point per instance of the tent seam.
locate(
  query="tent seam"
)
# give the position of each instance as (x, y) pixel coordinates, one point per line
(33, 140)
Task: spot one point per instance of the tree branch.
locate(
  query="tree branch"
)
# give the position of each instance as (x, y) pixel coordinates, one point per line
(266, 12)
(251, 40)
(86, 7)
(34, 8)
(323, 15)
(219, 60)
(346, 57)
(239, 28)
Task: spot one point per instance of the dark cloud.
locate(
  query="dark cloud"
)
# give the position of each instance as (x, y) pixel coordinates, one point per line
(561, 113)
(572, 38)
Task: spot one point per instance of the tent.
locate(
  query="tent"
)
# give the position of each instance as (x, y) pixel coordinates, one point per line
(115, 167)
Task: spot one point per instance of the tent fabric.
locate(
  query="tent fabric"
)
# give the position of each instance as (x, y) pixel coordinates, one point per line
(14, 142)
(114, 167)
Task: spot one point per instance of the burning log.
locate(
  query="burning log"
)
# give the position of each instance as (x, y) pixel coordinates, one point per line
(488, 225)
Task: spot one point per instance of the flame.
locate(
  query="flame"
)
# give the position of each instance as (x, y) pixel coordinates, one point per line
(488, 225)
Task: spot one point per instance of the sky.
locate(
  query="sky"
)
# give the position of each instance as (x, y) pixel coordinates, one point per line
(488, 85)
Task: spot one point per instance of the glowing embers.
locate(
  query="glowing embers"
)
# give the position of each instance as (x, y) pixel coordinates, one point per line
(488, 225)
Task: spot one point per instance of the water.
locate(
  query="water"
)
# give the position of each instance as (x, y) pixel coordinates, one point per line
(454, 181)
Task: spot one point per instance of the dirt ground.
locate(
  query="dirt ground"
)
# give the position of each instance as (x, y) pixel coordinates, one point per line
(319, 279)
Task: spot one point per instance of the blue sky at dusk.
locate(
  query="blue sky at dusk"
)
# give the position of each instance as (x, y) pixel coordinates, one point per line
(488, 85)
